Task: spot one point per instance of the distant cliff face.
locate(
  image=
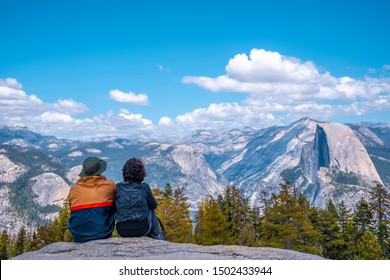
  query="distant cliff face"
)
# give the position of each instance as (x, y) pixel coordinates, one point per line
(337, 166)
(145, 248)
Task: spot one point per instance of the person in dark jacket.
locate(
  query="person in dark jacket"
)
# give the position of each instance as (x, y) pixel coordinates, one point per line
(91, 203)
(135, 204)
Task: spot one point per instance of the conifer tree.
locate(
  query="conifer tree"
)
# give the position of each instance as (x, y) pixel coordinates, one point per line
(63, 233)
(286, 224)
(344, 215)
(363, 217)
(4, 245)
(199, 223)
(20, 243)
(174, 212)
(380, 204)
(332, 242)
(213, 227)
(237, 212)
(35, 243)
(350, 238)
(332, 209)
(368, 247)
(181, 229)
(256, 219)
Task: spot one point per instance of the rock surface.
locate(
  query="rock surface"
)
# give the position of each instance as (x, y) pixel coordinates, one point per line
(150, 249)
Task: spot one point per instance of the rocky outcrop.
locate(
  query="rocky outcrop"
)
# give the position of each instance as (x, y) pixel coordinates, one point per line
(150, 249)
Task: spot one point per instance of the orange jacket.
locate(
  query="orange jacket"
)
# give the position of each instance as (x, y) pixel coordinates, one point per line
(92, 192)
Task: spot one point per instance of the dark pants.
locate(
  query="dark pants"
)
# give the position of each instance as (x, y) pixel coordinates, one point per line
(148, 227)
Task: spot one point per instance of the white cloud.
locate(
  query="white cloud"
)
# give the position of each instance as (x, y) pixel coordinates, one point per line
(165, 121)
(70, 107)
(136, 118)
(285, 88)
(10, 83)
(14, 101)
(130, 97)
(270, 67)
(54, 117)
(224, 115)
(272, 76)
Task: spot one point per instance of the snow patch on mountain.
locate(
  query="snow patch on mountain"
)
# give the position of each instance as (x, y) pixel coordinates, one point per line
(50, 189)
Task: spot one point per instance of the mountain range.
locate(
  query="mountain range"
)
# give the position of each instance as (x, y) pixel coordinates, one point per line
(324, 160)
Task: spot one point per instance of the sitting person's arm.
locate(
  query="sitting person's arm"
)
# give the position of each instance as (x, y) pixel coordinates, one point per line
(151, 200)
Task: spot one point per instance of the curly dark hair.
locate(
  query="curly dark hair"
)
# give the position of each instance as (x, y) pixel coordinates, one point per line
(134, 171)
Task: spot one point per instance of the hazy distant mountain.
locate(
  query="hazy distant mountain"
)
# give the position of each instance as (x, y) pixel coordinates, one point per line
(324, 160)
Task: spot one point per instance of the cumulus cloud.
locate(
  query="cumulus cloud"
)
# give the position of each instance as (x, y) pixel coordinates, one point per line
(17, 108)
(273, 76)
(286, 87)
(14, 101)
(69, 107)
(224, 115)
(164, 121)
(130, 97)
(136, 118)
(10, 83)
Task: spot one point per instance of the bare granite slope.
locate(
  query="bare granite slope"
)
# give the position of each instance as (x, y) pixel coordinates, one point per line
(150, 249)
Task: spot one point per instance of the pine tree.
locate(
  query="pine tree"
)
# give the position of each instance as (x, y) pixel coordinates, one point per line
(213, 227)
(350, 238)
(256, 219)
(35, 242)
(363, 217)
(168, 192)
(332, 209)
(20, 243)
(344, 215)
(368, 247)
(237, 212)
(181, 229)
(62, 223)
(4, 245)
(174, 212)
(199, 223)
(380, 204)
(286, 225)
(332, 242)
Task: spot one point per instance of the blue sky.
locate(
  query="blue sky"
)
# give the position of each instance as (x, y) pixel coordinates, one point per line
(94, 68)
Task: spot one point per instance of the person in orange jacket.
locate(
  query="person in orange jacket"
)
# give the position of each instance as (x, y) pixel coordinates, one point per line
(91, 203)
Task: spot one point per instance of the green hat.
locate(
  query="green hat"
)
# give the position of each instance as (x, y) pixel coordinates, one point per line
(93, 166)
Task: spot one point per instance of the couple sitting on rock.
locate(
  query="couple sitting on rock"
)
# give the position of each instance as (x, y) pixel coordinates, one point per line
(95, 203)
